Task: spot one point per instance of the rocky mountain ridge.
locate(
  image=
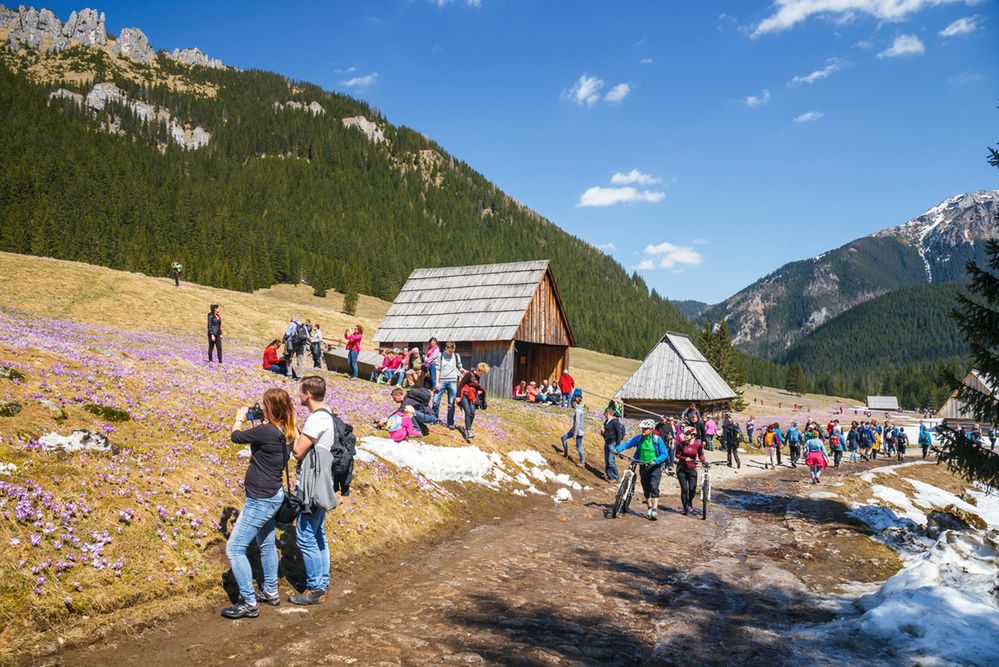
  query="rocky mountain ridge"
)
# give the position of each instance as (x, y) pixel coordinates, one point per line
(773, 313)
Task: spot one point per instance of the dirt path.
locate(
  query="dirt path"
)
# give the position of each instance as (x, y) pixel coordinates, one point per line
(562, 585)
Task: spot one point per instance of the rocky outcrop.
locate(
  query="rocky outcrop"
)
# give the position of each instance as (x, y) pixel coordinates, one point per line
(63, 94)
(313, 108)
(369, 128)
(40, 29)
(86, 28)
(133, 44)
(195, 57)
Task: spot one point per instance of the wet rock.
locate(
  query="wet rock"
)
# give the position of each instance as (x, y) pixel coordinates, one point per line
(54, 409)
(9, 408)
(107, 413)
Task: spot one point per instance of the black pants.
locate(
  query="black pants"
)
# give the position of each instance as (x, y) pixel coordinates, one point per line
(216, 345)
(795, 454)
(837, 457)
(650, 480)
(176, 279)
(688, 484)
(778, 454)
(317, 354)
(926, 450)
(468, 407)
(732, 449)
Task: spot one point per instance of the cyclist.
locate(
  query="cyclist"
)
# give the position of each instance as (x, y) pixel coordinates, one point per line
(651, 453)
(689, 451)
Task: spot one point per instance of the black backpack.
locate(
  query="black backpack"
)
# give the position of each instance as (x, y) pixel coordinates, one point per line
(301, 337)
(420, 396)
(343, 450)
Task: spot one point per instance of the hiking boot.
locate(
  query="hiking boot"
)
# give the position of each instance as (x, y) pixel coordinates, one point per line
(308, 596)
(272, 599)
(241, 609)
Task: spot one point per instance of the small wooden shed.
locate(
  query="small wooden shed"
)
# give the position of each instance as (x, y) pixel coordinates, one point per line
(674, 375)
(882, 403)
(507, 315)
(954, 410)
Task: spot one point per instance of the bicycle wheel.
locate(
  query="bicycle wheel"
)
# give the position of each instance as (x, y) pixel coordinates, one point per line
(623, 493)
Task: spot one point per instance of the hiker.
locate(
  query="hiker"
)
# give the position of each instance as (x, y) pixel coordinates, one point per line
(750, 428)
(794, 442)
(520, 391)
(473, 397)
(417, 398)
(353, 341)
(565, 386)
(316, 345)
(901, 442)
(993, 436)
(710, 431)
(689, 450)
(836, 445)
(214, 332)
(296, 338)
(666, 428)
(689, 414)
(576, 431)
(731, 435)
(697, 424)
(447, 382)
(853, 441)
(317, 433)
(176, 268)
(925, 440)
(432, 361)
(866, 441)
(412, 373)
(613, 432)
(778, 441)
(616, 407)
(815, 456)
(769, 445)
(402, 425)
(272, 362)
(264, 494)
(651, 453)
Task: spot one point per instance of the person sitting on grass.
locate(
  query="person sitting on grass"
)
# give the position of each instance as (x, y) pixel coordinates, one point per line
(272, 362)
(651, 454)
(384, 370)
(543, 391)
(520, 391)
(401, 425)
(554, 395)
(532, 392)
(576, 431)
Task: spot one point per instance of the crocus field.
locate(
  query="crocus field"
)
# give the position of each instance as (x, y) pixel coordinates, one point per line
(89, 536)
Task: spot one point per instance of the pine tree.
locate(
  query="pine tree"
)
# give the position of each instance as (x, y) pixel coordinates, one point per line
(350, 300)
(795, 380)
(977, 316)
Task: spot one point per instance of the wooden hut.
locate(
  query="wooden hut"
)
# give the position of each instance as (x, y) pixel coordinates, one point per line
(882, 403)
(954, 410)
(507, 315)
(674, 375)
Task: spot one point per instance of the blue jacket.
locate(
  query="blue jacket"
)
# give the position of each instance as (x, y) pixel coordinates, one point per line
(663, 454)
(794, 436)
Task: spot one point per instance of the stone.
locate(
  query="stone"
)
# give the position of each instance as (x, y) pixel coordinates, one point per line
(54, 409)
(63, 94)
(133, 44)
(8, 373)
(369, 128)
(107, 412)
(9, 408)
(195, 57)
(86, 27)
(951, 518)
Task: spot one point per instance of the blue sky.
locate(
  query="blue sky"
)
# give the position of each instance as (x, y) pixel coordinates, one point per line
(743, 134)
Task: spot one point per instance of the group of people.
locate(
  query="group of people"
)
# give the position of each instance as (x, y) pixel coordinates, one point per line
(409, 367)
(559, 393)
(298, 337)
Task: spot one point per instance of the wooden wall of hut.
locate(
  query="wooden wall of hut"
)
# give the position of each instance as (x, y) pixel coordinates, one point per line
(544, 322)
(499, 355)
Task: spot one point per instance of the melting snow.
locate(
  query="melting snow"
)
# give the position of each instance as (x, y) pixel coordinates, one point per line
(7, 468)
(75, 441)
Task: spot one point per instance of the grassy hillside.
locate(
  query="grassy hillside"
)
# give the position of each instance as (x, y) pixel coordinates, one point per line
(277, 195)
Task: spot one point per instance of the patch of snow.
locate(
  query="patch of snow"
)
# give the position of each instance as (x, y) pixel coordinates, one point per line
(562, 495)
(928, 495)
(901, 501)
(528, 456)
(362, 455)
(823, 495)
(76, 441)
(987, 504)
(7, 468)
(438, 464)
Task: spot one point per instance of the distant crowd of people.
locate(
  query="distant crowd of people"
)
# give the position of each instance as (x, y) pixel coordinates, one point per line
(299, 338)
(558, 392)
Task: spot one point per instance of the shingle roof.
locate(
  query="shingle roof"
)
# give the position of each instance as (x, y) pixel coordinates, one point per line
(465, 303)
(676, 371)
(882, 402)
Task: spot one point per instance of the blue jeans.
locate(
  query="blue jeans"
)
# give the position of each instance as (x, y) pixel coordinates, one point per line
(352, 363)
(579, 445)
(566, 399)
(451, 387)
(311, 538)
(255, 522)
(610, 465)
(432, 370)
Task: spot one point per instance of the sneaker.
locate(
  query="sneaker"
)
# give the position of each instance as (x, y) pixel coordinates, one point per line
(686, 511)
(308, 596)
(241, 609)
(654, 516)
(272, 599)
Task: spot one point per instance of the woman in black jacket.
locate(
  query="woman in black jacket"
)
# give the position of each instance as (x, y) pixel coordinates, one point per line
(214, 332)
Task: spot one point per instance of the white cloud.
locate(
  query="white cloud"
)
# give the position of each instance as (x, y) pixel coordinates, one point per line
(645, 61)
(789, 13)
(606, 247)
(361, 81)
(809, 117)
(633, 176)
(618, 92)
(833, 66)
(758, 100)
(904, 45)
(585, 91)
(600, 196)
(962, 26)
(667, 255)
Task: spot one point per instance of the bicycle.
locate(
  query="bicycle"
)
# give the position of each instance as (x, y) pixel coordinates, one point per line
(626, 489)
(705, 492)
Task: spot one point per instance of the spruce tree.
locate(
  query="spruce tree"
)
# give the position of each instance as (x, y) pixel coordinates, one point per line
(350, 300)
(977, 316)
(795, 379)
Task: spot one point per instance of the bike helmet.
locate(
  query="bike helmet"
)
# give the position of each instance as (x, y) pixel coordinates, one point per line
(646, 423)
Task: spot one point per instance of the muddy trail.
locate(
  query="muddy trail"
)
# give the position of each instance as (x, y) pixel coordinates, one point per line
(565, 585)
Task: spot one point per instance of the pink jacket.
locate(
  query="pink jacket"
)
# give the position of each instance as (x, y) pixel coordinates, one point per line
(710, 428)
(405, 430)
(354, 342)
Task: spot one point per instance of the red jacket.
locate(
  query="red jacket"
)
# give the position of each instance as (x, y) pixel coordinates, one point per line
(566, 384)
(270, 357)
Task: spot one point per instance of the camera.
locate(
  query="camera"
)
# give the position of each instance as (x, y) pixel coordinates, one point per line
(255, 413)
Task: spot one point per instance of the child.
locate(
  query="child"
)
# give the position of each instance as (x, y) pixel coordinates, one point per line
(400, 426)
(575, 431)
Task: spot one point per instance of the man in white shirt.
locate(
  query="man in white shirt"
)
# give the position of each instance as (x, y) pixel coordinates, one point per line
(318, 431)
